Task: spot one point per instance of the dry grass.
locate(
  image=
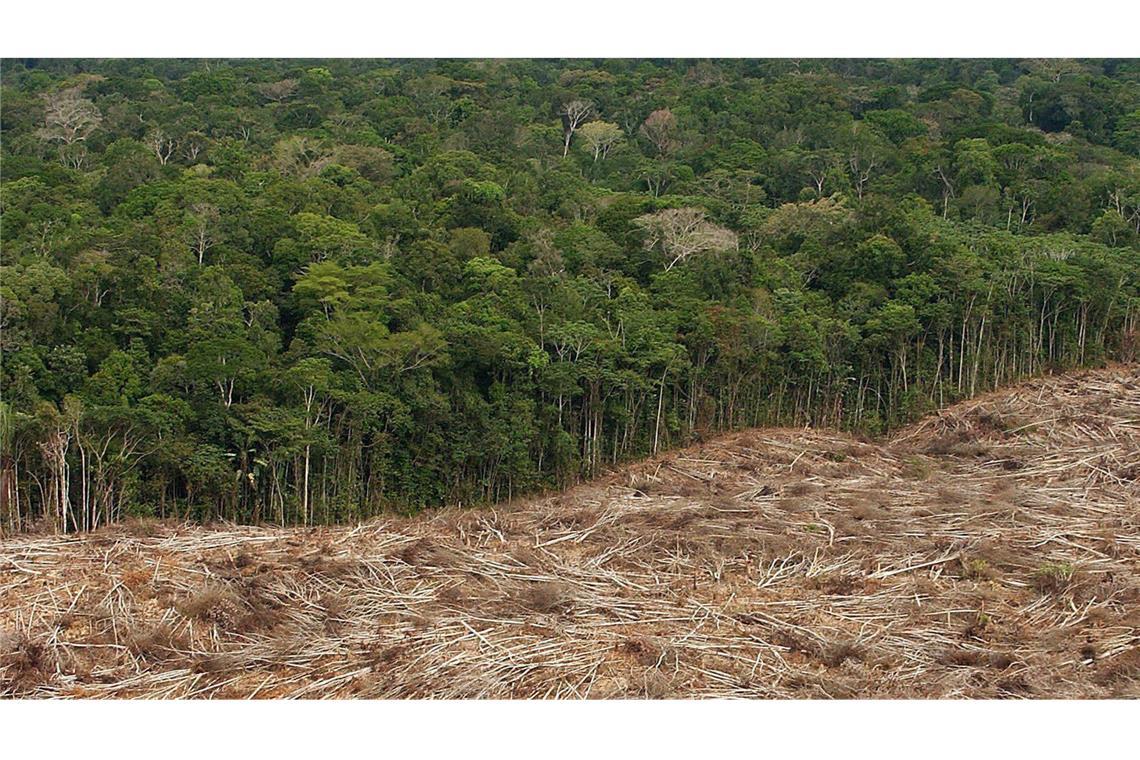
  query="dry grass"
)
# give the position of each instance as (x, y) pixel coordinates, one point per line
(992, 550)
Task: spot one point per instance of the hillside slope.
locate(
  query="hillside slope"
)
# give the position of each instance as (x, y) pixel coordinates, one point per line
(992, 550)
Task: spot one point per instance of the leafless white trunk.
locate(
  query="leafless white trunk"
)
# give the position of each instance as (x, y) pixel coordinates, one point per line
(573, 114)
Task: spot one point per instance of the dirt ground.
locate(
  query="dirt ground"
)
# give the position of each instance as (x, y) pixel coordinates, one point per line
(992, 550)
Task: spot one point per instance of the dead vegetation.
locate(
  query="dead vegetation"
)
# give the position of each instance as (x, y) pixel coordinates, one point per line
(992, 550)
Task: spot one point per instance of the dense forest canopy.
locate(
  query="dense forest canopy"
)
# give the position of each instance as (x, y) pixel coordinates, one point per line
(309, 291)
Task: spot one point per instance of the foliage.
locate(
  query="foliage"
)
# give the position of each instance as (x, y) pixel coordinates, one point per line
(294, 292)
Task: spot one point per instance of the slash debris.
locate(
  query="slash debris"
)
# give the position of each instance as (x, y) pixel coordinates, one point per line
(991, 550)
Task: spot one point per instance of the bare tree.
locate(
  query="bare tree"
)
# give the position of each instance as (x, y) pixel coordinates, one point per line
(202, 228)
(865, 152)
(278, 91)
(192, 146)
(680, 233)
(69, 120)
(862, 164)
(300, 156)
(1054, 69)
(660, 129)
(1128, 207)
(574, 115)
(162, 144)
(600, 137)
(819, 167)
(947, 190)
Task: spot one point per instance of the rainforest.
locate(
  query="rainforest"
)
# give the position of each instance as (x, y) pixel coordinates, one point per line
(311, 292)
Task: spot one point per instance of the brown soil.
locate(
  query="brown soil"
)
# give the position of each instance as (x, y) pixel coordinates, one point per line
(992, 550)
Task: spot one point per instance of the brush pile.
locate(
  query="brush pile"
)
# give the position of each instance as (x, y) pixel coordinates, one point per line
(992, 550)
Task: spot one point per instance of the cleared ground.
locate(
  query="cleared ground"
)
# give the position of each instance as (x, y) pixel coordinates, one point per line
(990, 551)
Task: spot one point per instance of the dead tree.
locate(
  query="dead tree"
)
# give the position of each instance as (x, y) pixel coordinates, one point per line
(574, 115)
(69, 120)
(680, 233)
(202, 232)
(161, 144)
(660, 129)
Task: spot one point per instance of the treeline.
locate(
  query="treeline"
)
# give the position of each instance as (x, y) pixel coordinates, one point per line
(306, 292)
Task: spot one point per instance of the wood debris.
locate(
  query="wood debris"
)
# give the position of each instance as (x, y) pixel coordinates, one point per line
(991, 550)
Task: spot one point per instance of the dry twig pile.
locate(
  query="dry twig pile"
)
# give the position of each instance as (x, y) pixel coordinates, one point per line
(992, 550)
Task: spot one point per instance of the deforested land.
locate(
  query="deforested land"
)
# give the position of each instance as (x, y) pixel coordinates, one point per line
(569, 378)
(989, 550)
